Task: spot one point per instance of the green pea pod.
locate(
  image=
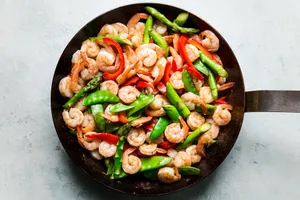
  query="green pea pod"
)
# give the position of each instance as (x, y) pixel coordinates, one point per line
(100, 96)
(181, 18)
(172, 112)
(177, 102)
(210, 109)
(188, 82)
(98, 109)
(194, 136)
(121, 175)
(159, 128)
(148, 26)
(109, 164)
(151, 175)
(188, 171)
(91, 85)
(141, 102)
(111, 127)
(118, 156)
(124, 130)
(119, 107)
(154, 162)
(198, 64)
(218, 69)
(160, 41)
(213, 85)
(135, 115)
(117, 38)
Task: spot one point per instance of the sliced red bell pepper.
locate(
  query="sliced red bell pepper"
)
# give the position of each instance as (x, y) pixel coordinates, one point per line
(174, 67)
(166, 76)
(162, 88)
(167, 145)
(182, 42)
(220, 101)
(131, 81)
(110, 138)
(201, 48)
(195, 72)
(113, 76)
(144, 84)
(148, 127)
(122, 117)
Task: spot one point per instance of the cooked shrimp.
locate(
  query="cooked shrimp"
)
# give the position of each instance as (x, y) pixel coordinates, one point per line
(88, 123)
(156, 109)
(128, 94)
(136, 37)
(130, 163)
(172, 153)
(221, 80)
(76, 57)
(174, 133)
(136, 137)
(168, 175)
(226, 86)
(159, 140)
(177, 58)
(197, 82)
(192, 51)
(73, 117)
(140, 121)
(110, 86)
(89, 70)
(196, 37)
(108, 30)
(106, 58)
(76, 69)
(90, 48)
(217, 58)
(176, 80)
(160, 28)
(221, 115)
(110, 116)
(182, 158)
(65, 87)
(96, 155)
(148, 149)
(130, 54)
(192, 152)
(209, 40)
(88, 144)
(149, 53)
(190, 99)
(121, 29)
(145, 77)
(214, 128)
(123, 77)
(195, 120)
(158, 70)
(107, 150)
(205, 94)
(204, 140)
(79, 105)
(134, 20)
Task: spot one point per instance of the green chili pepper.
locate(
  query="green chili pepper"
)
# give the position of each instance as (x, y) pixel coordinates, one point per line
(98, 109)
(160, 41)
(148, 26)
(124, 130)
(181, 18)
(119, 107)
(210, 109)
(154, 162)
(93, 84)
(141, 102)
(151, 175)
(218, 69)
(136, 115)
(177, 102)
(159, 128)
(100, 96)
(112, 126)
(198, 64)
(213, 85)
(194, 135)
(118, 156)
(109, 164)
(117, 38)
(188, 82)
(172, 112)
(155, 13)
(189, 171)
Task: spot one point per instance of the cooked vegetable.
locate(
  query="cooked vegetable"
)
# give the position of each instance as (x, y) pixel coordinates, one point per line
(159, 128)
(141, 102)
(119, 107)
(213, 85)
(189, 171)
(188, 82)
(148, 26)
(160, 41)
(97, 110)
(110, 138)
(117, 38)
(181, 18)
(100, 96)
(172, 113)
(213, 65)
(154, 162)
(118, 156)
(198, 64)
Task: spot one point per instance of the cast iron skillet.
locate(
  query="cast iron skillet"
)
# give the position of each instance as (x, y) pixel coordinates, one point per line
(256, 101)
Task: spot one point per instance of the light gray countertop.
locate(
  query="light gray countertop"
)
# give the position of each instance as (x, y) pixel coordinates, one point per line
(265, 162)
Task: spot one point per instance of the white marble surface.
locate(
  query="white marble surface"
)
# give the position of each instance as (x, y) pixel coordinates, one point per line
(264, 164)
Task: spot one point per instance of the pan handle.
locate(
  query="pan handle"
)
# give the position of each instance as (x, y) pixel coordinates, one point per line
(273, 101)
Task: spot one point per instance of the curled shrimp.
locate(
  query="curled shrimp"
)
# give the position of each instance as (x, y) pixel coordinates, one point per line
(174, 133)
(110, 116)
(130, 54)
(73, 118)
(108, 30)
(159, 140)
(160, 28)
(91, 48)
(149, 53)
(176, 80)
(192, 51)
(123, 77)
(191, 99)
(182, 158)
(197, 82)
(155, 108)
(195, 120)
(131, 164)
(106, 59)
(76, 69)
(88, 144)
(168, 175)
(172, 153)
(106, 149)
(121, 29)
(136, 28)
(148, 149)
(177, 58)
(79, 105)
(110, 86)
(88, 123)
(76, 57)
(221, 115)
(204, 140)
(128, 94)
(226, 86)
(96, 155)
(134, 20)
(209, 41)
(158, 70)
(65, 87)
(214, 128)
(140, 121)
(221, 80)
(205, 94)
(136, 137)
(145, 77)
(90, 69)
(192, 152)
(140, 69)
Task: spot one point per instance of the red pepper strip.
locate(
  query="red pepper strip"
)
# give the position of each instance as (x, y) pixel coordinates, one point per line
(148, 127)
(174, 67)
(126, 146)
(201, 48)
(166, 76)
(122, 117)
(220, 101)
(217, 77)
(182, 42)
(131, 81)
(162, 88)
(110, 138)
(113, 76)
(195, 72)
(144, 84)
(167, 145)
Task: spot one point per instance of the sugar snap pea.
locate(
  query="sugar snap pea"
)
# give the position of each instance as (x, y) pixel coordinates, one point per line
(188, 82)
(100, 96)
(172, 113)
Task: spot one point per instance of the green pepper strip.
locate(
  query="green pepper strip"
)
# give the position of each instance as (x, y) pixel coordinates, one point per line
(172, 112)
(188, 82)
(160, 41)
(124, 130)
(109, 165)
(117, 38)
(141, 102)
(198, 64)
(151, 175)
(181, 19)
(177, 102)
(119, 107)
(93, 84)
(218, 69)
(213, 85)
(189, 171)
(98, 109)
(118, 156)
(210, 109)
(194, 135)
(100, 96)
(112, 127)
(159, 128)
(148, 26)
(136, 115)
(155, 13)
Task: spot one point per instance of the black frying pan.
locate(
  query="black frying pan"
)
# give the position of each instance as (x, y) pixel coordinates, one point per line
(274, 101)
